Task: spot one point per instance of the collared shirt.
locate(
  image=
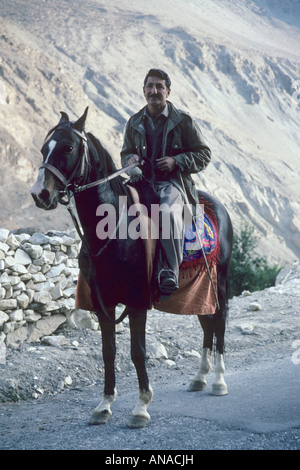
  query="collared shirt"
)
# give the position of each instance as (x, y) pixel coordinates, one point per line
(154, 121)
(154, 128)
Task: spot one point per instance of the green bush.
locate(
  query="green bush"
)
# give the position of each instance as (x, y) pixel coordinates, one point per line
(247, 270)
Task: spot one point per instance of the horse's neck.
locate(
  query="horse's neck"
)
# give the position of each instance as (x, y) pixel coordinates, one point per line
(91, 205)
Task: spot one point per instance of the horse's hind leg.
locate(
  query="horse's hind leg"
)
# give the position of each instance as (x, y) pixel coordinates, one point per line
(102, 412)
(212, 325)
(137, 322)
(199, 381)
(219, 387)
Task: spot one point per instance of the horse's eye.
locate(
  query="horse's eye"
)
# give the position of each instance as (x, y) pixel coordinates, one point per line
(67, 149)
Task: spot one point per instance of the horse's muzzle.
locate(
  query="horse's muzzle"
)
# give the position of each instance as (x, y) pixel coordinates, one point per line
(43, 199)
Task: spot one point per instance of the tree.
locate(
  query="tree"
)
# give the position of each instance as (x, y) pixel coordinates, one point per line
(247, 270)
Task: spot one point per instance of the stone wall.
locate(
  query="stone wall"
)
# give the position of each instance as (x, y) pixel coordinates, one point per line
(38, 275)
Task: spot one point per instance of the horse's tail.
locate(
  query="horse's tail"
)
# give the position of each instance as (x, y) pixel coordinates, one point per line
(122, 316)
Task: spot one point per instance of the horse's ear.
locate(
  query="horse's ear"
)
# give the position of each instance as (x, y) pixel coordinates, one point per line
(79, 125)
(64, 118)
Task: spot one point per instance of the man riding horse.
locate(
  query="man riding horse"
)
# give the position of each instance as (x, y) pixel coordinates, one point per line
(169, 145)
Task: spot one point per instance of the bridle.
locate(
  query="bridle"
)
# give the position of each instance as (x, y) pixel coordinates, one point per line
(69, 186)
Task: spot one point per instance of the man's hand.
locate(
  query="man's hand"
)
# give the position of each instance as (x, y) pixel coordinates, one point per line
(166, 164)
(135, 158)
(136, 173)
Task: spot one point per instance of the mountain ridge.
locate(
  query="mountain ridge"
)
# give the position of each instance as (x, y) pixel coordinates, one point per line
(234, 67)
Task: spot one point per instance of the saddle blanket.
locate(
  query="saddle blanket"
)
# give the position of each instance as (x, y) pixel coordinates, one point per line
(192, 250)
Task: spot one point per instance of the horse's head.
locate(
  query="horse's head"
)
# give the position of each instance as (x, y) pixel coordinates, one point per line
(64, 161)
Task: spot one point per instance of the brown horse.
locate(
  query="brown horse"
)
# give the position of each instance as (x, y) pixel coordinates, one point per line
(116, 269)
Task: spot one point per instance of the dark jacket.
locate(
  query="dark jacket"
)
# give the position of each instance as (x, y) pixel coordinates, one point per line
(182, 140)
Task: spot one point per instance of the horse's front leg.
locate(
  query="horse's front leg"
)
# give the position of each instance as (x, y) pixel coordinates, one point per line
(137, 322)
(103, 412)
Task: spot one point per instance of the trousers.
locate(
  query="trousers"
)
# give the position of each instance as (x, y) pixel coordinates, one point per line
(165, 196)
(171, 228)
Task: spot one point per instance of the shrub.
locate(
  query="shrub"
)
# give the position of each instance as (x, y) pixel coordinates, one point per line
(247, 270)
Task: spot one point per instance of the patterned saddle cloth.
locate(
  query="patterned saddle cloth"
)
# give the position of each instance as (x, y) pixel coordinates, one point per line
(192, 252)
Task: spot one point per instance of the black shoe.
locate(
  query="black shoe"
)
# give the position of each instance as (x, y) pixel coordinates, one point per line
(167, 285)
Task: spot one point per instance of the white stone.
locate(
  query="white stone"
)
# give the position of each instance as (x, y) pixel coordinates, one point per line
(72, 263)
(81, 319)
(2, 352)
(68, 380)
(38, 277)
(4, 247)
(55, 240)
(13, 280)
(23, 300)
(157, 350)
(20, 286)
(45, 327)
(33, 269)
(247, 329)
(9, 326)
(38, 239)
(56, 292)
(3, 317)
(12, 242)
(31, 316)
(9, 261)
(2, 293)
(46, 285)
(55, 270)
(19, 268)
(60, 257)
(17, 315)
(8, 304)
(246, 293)
(4, 279)
(254, 306)
(68, 241)
(42, 297)
(170, 363)
(22, 257)
(3, 234)
(30, 293)
(22, 237)
(34, 251)
(56, 340)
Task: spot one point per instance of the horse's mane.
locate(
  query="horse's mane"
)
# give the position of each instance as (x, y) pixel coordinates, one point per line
(106, 166)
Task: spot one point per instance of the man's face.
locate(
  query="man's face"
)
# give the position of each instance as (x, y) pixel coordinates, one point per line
(156, 92)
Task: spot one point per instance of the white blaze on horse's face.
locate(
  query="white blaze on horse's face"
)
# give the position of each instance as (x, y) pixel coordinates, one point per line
(42, 190)
(51, 146)
(41, 174)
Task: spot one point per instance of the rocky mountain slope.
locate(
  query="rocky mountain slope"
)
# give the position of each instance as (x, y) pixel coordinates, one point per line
(234, 65)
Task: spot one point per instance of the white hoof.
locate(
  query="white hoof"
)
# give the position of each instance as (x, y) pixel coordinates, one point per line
(219, 390)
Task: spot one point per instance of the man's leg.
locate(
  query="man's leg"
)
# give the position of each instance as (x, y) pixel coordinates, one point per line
(171, 236)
